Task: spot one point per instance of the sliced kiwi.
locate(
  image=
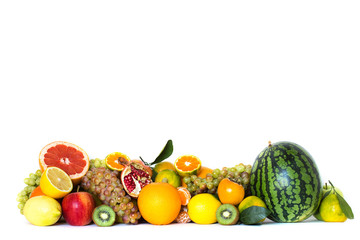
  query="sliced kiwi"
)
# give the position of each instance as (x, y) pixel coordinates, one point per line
(227, 214)
(104, 216)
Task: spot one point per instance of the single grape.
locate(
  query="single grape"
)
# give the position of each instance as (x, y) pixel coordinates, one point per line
(187, 179)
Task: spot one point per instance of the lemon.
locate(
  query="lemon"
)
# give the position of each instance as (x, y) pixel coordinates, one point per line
(42, 210)
(55, 183)
(251, 201)
(202, 208)
(330, 210)
(169, 176)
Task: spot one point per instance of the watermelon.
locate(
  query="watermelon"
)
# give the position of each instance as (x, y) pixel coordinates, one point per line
(286, 178)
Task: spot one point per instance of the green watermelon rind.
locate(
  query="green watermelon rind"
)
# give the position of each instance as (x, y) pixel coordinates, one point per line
(285, 176)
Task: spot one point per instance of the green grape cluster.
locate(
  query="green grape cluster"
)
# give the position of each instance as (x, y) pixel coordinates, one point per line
(31, 183)
(240, 174)
(97, 163)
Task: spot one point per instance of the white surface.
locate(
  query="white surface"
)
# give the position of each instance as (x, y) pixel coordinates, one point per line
(219, 79)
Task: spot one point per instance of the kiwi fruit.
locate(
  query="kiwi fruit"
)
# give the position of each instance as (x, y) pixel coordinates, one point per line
(227, 214)
(103, 216)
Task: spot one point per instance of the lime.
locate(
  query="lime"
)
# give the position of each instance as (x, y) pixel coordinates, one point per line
(202, 208)
(42, 210)
(330, 210)
(169, 176)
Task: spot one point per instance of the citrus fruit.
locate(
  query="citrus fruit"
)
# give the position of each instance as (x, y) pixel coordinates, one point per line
(202, 208)
(330, 210)
(185, 195)
(164, 165)
(159, 203)
(169, 176)
(36, 192)
(55, 183)
(183, 217)
(249, 202)
(117, 161)
(203, 171)
(67, 156)
(187, 165)
(230, 192)
(42, 210)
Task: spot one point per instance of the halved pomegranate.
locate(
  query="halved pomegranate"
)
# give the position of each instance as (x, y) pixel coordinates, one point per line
(134, 177)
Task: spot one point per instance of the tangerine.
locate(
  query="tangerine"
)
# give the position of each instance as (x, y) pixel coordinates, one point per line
(251, 201)
(37, 192)
(185, 195)
(230, 192)
(164, 165)
(203, 171)
(159, 203)
(330, 210)
(117, 161)
(187, 165)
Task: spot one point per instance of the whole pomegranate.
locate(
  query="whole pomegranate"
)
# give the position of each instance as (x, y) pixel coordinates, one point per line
(134, 177)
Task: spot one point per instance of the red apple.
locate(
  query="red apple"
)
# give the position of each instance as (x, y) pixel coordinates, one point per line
(78, 208)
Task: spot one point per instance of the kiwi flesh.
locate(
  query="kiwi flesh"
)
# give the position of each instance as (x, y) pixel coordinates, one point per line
(104, 216)
(227, 214)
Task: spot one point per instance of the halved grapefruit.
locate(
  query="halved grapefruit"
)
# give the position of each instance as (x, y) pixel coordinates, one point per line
(66, 156)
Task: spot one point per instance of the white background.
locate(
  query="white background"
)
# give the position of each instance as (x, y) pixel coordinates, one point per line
(220, 79)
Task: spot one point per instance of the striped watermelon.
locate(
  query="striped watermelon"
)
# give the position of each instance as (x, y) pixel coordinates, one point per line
(286, 178)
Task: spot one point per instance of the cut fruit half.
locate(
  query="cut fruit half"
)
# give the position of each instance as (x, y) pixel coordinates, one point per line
(117, 161)
(55, 183)
(66, 156)
(187, 165)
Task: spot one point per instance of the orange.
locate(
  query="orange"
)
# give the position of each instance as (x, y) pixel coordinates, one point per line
(203, 171)
(55, 183)
(117, 161)
(185, 195)
(159, 203)
(187, 165)
(230, 192)
(66, 156)
(37, 192)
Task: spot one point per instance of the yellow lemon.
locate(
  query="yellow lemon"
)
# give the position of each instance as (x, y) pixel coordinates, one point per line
(202, 208)
(55, 183)
(251, 201)
(42, 210)
(330, 210)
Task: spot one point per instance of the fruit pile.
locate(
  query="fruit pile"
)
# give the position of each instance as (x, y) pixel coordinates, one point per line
(283, 185)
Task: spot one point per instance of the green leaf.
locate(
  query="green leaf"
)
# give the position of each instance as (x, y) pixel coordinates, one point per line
(165, 153)
(254, 215)
(325, 195)
(345, 207)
